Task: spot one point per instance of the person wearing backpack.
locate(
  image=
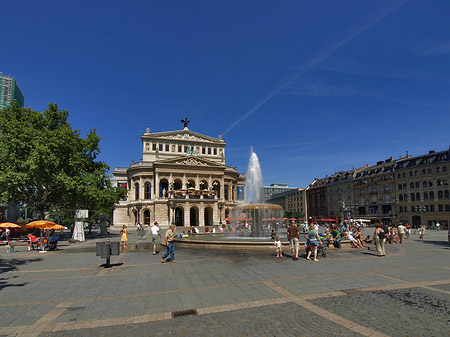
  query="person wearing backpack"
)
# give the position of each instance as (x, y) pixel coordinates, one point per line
(379, 237)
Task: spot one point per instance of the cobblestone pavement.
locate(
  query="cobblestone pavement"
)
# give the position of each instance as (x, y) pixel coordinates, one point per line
(348, 293)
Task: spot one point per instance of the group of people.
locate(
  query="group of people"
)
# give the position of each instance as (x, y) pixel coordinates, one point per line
(293, 235)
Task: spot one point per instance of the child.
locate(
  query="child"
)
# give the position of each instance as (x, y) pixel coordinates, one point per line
(273, 235)
(277, 244)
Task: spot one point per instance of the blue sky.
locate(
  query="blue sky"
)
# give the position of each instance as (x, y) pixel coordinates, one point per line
(314, 86)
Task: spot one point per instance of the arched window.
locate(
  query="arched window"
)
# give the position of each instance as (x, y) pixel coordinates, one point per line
(177, 185)
(400, 197)
(430, 171)
(147, 190)
(446, 194)
(438, 169)
(439, 182)
(136, 191)
(216, 188)
(444, 168)
(400, 187)
(403, 175)
(430, 183)
(445, 182)
(417, 184)
(425, 184)
(399, 175)
(411, 185)
(410, 173)
(431, 195)
(440, 195)
(424, 172)
(416, 172)
(425, 195)
(163, 186)
(404, 186)
(405, 197)
(413, 197)
(418, 196)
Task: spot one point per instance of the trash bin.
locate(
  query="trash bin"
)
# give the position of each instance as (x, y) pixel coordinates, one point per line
(98, 246)
(105, 250)
(115, 248)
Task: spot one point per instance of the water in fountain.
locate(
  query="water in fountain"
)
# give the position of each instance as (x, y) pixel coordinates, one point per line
(254, 182)
(255, 209)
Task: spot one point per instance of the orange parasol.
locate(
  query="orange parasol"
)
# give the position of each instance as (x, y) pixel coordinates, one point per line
(9, 225)
(56, 227)
(41, 224)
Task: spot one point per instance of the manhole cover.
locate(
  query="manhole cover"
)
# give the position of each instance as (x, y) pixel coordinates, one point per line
(189, 312)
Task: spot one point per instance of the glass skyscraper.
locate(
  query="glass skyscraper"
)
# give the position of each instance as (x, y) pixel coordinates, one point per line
(9, 91)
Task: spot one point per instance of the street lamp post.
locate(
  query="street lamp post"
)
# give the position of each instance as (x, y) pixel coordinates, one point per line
(172, 207)
(220, 204)
(138, 208)
(420, 209)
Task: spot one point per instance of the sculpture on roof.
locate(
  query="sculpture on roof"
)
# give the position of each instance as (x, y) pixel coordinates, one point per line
(185, 121)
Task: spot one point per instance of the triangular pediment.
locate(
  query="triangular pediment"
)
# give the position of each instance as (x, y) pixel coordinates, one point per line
(183, 135)
(189, 161)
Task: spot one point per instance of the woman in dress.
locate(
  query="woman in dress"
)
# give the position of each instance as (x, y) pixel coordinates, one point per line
(124, 237)
(314, 241)
(379, 237)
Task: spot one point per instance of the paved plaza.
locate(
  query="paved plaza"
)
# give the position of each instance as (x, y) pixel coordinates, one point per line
(348, 293)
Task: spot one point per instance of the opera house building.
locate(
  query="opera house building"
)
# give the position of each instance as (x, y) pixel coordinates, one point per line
(181, 178)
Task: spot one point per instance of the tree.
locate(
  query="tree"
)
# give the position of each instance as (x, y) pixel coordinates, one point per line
(47, 166)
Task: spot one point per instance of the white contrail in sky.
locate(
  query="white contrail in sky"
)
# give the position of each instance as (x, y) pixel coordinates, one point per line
(319, 58)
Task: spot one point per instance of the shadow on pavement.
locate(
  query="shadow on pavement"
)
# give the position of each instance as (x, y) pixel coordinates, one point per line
(444, 244)
(10, 265)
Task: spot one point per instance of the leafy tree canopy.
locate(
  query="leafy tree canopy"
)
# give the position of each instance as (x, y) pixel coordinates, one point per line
(47, 166)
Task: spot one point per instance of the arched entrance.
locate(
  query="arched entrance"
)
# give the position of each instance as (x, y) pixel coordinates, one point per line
(147, 217)
(416, 221)
(179, 212)
(208, 216)
(193, 216)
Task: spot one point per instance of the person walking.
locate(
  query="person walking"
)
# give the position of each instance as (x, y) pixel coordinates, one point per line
(422, 230)
(156, 235)
(379, 237)
(401, 231)
(314, 241)
(124, 237)
(294, 236)
(169, 237)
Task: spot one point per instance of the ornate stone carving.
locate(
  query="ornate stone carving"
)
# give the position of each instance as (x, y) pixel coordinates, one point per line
(191, 162)
(185, 136)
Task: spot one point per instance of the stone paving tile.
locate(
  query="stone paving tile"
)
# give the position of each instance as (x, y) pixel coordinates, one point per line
(442, 286)
(405, 312)
(23, 315)
(286, 319)
(166, 302)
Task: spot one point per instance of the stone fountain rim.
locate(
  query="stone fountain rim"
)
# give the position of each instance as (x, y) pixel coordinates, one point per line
(253, 206)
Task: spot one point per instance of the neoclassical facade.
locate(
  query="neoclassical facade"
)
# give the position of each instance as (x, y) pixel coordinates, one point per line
(182, 178)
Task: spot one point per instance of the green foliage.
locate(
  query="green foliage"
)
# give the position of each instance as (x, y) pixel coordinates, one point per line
(47, 166)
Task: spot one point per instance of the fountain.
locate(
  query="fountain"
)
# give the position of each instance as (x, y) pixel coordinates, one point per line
(255, 211)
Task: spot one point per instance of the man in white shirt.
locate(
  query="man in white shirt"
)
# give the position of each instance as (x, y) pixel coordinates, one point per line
(401, 232)
(155, 234)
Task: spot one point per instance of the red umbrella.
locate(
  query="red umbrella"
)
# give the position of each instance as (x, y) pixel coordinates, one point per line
(228, 219)
(293, 219)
